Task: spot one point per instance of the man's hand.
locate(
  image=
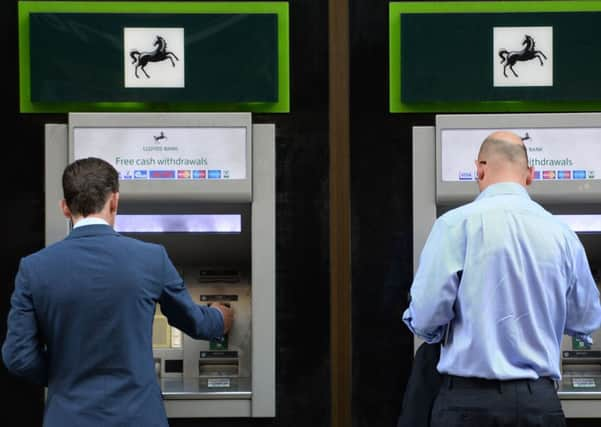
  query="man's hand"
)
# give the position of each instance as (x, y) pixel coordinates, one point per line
(228, 316)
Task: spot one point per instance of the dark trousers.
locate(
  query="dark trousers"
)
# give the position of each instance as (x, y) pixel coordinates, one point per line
(467, 402)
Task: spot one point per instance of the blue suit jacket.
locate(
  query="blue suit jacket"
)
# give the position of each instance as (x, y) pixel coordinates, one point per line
(81, 323)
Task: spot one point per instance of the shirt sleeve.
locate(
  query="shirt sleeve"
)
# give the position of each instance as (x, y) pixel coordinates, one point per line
(197, 321)
(23, 352)
(435, 285)
(583, 309)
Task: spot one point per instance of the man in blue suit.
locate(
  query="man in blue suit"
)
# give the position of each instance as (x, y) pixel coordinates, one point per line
(81, 313)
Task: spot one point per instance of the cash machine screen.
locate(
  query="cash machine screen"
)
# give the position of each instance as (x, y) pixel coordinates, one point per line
(582, 223)
(556, 153)
(204, 153)
(218, 223)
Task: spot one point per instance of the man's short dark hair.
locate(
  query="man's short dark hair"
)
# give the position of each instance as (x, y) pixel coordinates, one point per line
(87, 185)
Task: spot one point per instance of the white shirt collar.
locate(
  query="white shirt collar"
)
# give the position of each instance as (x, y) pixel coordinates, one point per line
(90, 221)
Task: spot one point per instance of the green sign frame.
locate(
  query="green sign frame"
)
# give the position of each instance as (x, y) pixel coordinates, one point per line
(279, 8)
(398, 8)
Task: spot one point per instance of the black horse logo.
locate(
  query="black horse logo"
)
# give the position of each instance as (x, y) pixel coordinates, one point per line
(159, 138)
(141, 59)
(526, 54)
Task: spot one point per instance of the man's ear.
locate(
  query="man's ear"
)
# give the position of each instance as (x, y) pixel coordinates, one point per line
(530, 176)
(479, 170)
(114, 202)
(65, 209)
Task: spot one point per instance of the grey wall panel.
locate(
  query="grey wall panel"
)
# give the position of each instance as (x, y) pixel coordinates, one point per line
(56, 225)
(263, 272)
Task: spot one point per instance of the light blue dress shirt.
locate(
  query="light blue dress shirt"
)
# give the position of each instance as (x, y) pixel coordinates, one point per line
(510, 280)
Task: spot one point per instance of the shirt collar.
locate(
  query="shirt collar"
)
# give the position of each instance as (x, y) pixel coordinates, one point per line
(504, 188)
(90, 221)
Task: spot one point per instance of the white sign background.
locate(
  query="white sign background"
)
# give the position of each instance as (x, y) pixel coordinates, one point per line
(223, 148)
(163, 73)
(459, 149)
(530, 73)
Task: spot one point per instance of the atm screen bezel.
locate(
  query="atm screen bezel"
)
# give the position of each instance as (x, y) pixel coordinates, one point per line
(239, 190)
(554, 192)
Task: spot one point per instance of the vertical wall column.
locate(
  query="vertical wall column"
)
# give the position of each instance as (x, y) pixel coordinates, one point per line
(340, 211)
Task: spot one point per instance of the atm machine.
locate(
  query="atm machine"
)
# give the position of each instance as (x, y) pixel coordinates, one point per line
(565, 150)
(202, 185)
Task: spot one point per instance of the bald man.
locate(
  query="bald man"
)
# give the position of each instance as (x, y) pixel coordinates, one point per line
(500, 280)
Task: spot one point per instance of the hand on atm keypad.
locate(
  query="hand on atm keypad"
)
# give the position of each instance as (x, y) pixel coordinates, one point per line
(228, 315)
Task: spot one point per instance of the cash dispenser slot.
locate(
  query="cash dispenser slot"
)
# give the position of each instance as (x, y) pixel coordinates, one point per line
(581, 357)
(218, 364)
(219, 275)
(581, 370)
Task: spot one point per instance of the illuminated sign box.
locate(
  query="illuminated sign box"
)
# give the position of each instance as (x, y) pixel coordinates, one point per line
(484, 56)
(131, 56)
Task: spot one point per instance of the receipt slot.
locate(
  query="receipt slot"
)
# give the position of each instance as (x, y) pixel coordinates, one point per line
(565, 150)
(203, 186)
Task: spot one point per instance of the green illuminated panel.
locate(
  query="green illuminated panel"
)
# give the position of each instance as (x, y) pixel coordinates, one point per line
(447, 64)
(73, 56)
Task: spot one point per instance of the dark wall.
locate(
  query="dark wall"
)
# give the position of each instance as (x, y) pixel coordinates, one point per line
(303, 393)
(381, 223)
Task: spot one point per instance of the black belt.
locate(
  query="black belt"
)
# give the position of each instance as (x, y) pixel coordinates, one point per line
(453, 381)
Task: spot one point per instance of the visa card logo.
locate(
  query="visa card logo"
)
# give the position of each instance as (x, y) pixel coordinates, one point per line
(465, 176)
(183, 174)
(564, 174)
(141, 174)
(214, 174)
(125, 175)
(199, 174)
(548, 174)
(536, 175)
(162, 174)
(579, 174)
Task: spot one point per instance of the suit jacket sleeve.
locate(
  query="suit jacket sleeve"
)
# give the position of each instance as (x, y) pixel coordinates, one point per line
(198, 321)
(23, 352)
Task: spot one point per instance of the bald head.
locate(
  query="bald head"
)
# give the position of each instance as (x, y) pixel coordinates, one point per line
(503, 158)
